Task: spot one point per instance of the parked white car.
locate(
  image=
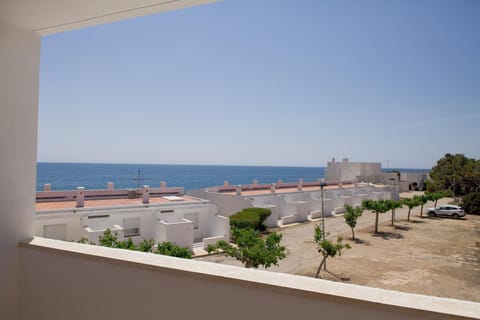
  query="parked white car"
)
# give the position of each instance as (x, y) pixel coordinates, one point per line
(447, 210)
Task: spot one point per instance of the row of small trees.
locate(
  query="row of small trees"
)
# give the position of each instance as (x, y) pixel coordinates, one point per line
(328, 248)
(383, 206)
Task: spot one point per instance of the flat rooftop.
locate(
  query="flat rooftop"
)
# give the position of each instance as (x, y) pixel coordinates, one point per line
(44, 206)
(288, 190)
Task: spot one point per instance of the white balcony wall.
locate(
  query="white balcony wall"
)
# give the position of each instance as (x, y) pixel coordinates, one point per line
(19, 65)
(219, 229)
(179, 232)
(73, 224)
(158, 283)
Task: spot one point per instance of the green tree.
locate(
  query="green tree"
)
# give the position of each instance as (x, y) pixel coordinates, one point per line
(108, 239)
(169, 249)
(410, 203)
(251, 249)
(435, 196)
(394, 204)
(422, 200)
(456, 173)
(471, 203)
(377, 206)
(327, 248)
(351, 217)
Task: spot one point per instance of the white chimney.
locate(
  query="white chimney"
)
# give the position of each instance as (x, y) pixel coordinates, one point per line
(163, 184)
(146, 194)
(47, 187)
(255, 182)
(238, 190)
(110, 185)
(80, 197)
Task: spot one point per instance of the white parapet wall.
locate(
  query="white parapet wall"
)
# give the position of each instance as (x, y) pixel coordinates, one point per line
(54, 268)
(179, 232)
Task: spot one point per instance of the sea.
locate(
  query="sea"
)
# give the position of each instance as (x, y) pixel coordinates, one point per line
(69, 176)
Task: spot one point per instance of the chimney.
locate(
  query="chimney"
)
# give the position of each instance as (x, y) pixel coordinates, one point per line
(146, 194)
(225, 183)
(163, 184)
(238, 190)
(80, 197)
(255, 182)
(272, 188)
(279, 181)
(300, 184)
(110, 185)
(47, 187)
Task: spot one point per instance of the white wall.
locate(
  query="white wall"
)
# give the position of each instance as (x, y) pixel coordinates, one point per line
(74, 224)
(19, 62)
(349, 171)
(227, 204)
(56, 283)
(179, 233)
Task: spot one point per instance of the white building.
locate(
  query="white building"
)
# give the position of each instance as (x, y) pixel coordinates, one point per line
(182, 220)
(351, 171)
(291, 202)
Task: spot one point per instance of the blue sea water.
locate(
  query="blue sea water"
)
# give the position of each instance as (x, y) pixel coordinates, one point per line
(69, 176)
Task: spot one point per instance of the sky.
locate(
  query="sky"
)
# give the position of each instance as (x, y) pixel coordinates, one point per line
(271, 82)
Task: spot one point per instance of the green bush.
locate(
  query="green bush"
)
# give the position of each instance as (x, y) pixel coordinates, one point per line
(170, 249)
(471, 203)
(250, 218)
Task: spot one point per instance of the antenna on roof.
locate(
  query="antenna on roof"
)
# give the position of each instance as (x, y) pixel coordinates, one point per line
(138, 179)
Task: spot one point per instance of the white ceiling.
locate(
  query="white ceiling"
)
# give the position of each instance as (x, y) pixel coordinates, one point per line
(52, 16)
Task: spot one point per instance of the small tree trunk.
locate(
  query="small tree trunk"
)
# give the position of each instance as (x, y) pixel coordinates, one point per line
(409, 209)
(435, 205)
(421, 211)
(320, 266)
(353, 233)
(393, 216)
(376, 222)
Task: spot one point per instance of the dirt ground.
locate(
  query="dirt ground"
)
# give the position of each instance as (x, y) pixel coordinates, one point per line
(432, 256)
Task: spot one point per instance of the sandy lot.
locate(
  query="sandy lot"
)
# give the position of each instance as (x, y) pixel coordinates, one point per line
(439, 257)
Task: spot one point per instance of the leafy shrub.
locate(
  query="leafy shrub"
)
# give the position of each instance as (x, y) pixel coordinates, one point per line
(126, 244)
(471, 203)
(145, 246)
(250, 218)
(251, 249)
(170, 249)
(108, 239)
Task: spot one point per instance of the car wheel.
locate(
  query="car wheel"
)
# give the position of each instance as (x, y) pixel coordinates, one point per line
(456, 216)
(431, 214)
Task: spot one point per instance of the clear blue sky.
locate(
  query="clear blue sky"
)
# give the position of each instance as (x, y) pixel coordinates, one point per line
(273, 82)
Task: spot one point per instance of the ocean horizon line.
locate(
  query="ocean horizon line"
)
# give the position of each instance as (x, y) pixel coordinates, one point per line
(212, 165)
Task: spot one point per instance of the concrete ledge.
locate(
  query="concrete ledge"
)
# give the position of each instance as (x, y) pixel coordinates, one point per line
(399, 305)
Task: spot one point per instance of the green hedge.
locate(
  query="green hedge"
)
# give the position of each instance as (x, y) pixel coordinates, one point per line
(250, 218)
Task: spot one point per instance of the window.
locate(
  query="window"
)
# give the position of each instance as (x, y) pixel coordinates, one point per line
(131, 227)
(192, 217)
